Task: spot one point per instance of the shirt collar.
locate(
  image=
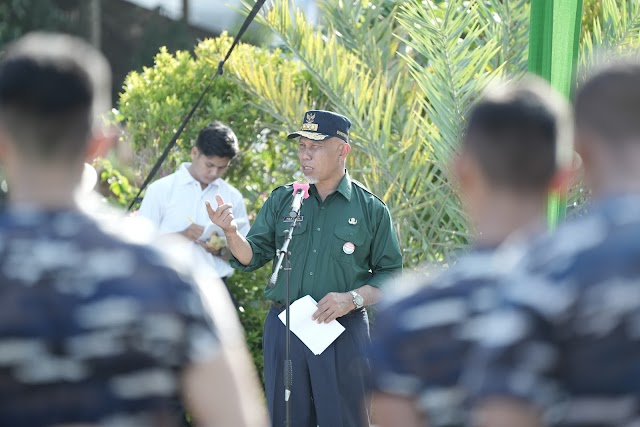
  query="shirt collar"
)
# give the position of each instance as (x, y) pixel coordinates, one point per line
(184, 176)
(344, 187)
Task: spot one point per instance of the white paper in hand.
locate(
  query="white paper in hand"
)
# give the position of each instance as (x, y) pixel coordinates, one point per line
(209, 230)
(316, 336)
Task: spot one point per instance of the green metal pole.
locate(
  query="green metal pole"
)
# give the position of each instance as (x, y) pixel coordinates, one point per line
(554, 41)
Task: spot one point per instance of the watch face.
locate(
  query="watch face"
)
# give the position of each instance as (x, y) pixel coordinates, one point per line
(358, 300)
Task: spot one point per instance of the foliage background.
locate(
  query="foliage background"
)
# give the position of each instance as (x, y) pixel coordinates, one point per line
(152, 106)
(405, 73)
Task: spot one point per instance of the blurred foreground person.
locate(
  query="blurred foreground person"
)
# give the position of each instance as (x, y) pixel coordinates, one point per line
(507, 163)
(563, 346)
(96, 327)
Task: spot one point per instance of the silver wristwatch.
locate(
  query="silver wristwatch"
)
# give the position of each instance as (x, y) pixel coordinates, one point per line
(358, 301)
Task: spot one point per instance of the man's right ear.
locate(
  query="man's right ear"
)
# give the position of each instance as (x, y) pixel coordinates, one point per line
(345, 149)
(562, 181)
(102, 140)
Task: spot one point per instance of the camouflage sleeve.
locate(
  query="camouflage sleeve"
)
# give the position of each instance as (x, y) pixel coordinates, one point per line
(516, 351)
(201, 333)
(389, 373)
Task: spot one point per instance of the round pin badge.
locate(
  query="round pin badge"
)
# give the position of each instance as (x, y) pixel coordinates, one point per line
(348, 248)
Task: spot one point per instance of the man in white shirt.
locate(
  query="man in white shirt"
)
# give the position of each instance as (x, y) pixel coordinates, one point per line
(176, 203)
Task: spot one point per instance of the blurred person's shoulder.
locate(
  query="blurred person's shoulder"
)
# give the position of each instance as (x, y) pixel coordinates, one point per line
(591, 255)
(155, 250)
(165, 260)
(610, 225)
(448, 294)
(77, 257)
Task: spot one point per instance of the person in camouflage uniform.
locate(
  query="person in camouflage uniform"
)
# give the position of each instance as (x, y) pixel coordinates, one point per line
(562, 346)
(96, 326)
(507, 163)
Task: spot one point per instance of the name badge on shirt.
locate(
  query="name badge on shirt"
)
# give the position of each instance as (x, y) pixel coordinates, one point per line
(290, 219)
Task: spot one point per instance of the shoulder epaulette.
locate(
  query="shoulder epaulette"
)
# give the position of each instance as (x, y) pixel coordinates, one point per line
(282, 186)
(364, 187)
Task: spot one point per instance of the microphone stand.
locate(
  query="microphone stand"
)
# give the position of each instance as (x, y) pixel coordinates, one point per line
(283, 255)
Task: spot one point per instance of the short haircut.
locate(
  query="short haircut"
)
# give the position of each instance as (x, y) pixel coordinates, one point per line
(519, 133)
(608, 103)
(52, 89)
(218, 140)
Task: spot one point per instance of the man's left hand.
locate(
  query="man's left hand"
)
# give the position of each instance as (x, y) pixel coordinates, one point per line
(332, 306)
(211, 250)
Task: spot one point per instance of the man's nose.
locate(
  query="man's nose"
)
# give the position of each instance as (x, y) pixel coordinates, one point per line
(305, 154)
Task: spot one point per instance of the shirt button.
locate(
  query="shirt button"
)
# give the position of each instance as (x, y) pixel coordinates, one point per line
(318, 228)
(314, 251)
(311, 274)
(322, 207)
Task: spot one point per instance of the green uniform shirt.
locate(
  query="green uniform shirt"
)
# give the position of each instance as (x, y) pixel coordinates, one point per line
(351, 218)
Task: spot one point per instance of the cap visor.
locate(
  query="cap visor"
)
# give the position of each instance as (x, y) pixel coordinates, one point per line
(314, 136)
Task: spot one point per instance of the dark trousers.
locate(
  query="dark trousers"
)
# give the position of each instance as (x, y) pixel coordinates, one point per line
(328, 389)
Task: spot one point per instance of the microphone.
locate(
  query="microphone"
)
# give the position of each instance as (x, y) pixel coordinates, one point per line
(300, 192)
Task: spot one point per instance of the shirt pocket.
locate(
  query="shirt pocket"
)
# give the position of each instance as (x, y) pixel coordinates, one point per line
(283, 227)
(350, 244)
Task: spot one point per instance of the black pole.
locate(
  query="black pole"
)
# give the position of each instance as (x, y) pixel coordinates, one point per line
(288, 365)
(283, 256)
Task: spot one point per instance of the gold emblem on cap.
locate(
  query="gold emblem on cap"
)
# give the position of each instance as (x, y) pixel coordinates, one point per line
(353, 221)
(310, 117)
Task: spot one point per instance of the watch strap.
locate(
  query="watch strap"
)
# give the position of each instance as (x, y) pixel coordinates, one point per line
(356, 296)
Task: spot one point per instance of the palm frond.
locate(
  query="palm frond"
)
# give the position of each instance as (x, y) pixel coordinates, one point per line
(508, 25)
(452, 69)
(615, 30)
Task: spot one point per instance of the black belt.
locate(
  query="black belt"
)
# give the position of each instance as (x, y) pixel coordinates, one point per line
(277, 306)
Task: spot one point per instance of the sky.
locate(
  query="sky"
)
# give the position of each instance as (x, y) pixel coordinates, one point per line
(210, 14)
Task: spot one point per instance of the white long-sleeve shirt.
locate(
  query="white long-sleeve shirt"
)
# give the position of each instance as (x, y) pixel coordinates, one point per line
(172, 202)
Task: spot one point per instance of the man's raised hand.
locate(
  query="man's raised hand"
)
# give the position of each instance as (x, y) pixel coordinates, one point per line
(223, 215)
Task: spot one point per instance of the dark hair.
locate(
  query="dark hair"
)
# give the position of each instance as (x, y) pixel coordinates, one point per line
(218, 140)
(608, 103)
(51, 87)
(515, 134)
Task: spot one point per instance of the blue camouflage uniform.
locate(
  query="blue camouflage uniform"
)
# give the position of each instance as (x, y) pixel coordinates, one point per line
(94, 328)
(419, 346)
(565, 335)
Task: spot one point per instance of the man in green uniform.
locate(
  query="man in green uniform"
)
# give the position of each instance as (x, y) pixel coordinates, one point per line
(344, 248)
